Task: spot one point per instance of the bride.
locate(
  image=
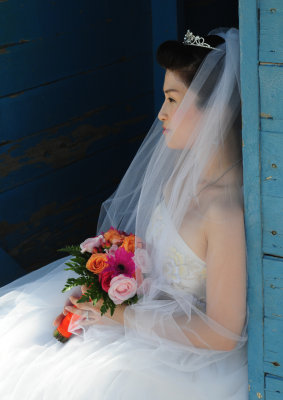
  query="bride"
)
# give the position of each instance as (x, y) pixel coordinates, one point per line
(182, 197)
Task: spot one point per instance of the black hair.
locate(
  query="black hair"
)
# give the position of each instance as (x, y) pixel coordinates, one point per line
(186, 59)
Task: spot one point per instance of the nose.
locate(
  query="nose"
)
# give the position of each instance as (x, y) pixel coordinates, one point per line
(162, 115)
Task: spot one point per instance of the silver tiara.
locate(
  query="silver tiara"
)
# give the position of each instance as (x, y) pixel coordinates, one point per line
(191, 40)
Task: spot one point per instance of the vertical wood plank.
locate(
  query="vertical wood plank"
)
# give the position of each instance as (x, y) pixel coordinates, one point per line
(164, 27)
(248, 23)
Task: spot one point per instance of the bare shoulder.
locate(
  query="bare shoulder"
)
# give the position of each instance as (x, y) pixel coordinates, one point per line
(224, 216)
(222, 209)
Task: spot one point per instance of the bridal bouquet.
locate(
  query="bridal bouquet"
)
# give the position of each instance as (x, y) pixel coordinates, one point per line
(105, 265)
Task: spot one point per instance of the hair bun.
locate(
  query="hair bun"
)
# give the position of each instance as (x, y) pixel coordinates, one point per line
(185, 59)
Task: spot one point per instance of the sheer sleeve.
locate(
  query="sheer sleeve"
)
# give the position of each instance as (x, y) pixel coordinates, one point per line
(195, 169)
(226, 269)
(220, 327)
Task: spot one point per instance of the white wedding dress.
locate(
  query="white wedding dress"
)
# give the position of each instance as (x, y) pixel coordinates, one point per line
(103, 363)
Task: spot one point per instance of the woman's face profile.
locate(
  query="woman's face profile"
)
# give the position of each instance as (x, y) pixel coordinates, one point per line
(174, 91)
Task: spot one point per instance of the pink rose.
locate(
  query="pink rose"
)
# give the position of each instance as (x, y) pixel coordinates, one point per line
(89, 244)
(122, 288)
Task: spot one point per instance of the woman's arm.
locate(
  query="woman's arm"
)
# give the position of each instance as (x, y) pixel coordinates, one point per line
(225, 290)
(221, 326)
(226, 268)
(226, 280)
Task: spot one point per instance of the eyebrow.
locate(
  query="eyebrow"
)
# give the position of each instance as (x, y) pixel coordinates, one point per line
(171, 90)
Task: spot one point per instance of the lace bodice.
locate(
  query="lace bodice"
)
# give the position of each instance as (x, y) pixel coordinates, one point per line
(182, 267)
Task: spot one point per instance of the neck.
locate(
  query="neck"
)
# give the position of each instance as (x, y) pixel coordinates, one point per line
(224, 162)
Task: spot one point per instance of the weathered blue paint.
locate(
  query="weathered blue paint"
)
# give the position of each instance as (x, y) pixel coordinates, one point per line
(47, 150)
(272, 163)
(272, 192)
(92, 39)
(248, 25)
(76, 99)
(273, 388)
(271, 31)
(273, 354)
(77, 93)
(79, 96)
(273, 286)
(271, 112)
(70, 212)
(273, 315)
(272, 224)
(271, 90)
(262, 94)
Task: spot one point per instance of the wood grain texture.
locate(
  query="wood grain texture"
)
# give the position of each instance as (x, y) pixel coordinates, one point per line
(273, 388)
(271, 97)
(273, 354)
(30, 19)
(248, 24)
(271, 112)
(271, 30)
(76, 100)
(272, 225)
(273, 324)
(45, 151)
(272, 163)
(59, 208)
(54, 59)
(83, 45)
(50, 105)
(272, 192)
(273, 287)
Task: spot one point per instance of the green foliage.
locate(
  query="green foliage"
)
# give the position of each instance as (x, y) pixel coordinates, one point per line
(96, 293)
(132, 300)
(72, 250)
(88, 279)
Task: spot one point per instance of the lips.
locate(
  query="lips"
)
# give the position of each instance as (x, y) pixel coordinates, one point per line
(166, 130)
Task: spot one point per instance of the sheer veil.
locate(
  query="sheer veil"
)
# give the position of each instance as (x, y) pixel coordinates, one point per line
(198, 185)
(182, 197)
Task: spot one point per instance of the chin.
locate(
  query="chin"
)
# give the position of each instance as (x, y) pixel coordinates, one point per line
(176, 141)
(171, 144)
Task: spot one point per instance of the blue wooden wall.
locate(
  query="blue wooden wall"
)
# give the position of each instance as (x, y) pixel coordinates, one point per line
(76, 99)
(261, 30)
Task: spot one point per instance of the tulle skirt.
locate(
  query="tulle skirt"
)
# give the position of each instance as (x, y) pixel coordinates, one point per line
(99, 364)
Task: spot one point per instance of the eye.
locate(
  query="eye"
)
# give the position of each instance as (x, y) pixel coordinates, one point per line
(171, 100)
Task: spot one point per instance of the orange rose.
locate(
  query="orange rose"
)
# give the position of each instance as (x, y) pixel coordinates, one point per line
(113, 236)
(97, 263)
(129, 243)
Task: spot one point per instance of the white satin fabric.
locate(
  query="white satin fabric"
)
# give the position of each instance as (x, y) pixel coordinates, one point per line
(103, 363)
